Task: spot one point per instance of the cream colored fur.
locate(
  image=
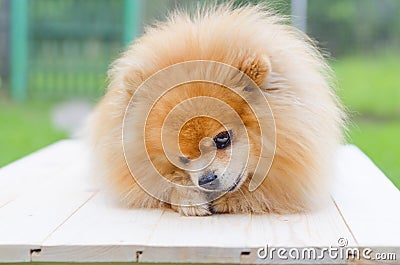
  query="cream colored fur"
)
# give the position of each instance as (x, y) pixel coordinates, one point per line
(283, 61)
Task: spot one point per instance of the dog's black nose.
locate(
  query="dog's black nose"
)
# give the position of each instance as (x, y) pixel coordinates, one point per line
(206, 181)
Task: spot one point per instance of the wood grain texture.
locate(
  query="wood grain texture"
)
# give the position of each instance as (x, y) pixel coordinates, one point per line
(51, 207)
(323, 227)
(211, 231)
(30, 219)
(39, 201)
(31, 171)
(15, 253)
(367, 200)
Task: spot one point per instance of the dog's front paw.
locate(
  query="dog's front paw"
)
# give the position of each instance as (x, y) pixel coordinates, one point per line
(219, 206)
(195, 210)
(189, 202)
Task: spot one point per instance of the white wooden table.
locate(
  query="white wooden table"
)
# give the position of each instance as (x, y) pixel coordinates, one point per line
(49, 211)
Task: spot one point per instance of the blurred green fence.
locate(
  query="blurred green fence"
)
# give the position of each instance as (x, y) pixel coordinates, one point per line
(63, 48)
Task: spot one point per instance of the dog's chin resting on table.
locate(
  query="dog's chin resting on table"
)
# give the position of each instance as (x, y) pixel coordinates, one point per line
(285, 65)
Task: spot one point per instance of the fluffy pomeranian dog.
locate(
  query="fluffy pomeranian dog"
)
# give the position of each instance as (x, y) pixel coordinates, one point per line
(303, 121)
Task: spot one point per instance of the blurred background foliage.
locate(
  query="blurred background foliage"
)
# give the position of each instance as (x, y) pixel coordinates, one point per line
(70, 43)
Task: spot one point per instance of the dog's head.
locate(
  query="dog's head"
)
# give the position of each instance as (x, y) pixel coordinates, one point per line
(205, 129)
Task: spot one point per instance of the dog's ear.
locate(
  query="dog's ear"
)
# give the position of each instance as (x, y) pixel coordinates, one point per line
(257, 67)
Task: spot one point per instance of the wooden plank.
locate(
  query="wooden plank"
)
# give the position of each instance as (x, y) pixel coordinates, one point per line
(320, 228)
(172, 238)
(15, 253)
(139, 235)
(224, 230)
(28, 219)
(86, 253)
(368, 201)
(236, 239)
(190, 255)
(104, 226)
(31, 171)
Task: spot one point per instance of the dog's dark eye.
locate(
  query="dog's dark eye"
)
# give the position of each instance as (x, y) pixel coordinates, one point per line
(223, 139)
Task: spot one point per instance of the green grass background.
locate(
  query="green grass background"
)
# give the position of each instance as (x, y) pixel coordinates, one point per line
(368, 85)
(25, 128)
